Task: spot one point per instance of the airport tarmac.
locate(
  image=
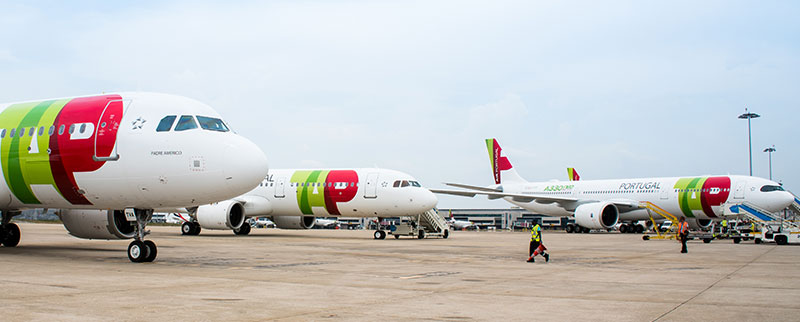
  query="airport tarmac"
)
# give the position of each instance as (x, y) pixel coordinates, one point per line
(338, 274)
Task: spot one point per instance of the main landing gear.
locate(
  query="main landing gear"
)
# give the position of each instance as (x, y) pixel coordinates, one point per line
(140, 250)
(190, 228)
(9, 232)
(244, 230)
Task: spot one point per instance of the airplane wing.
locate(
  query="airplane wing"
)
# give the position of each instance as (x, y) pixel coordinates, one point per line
(479, 188)
(519, 197)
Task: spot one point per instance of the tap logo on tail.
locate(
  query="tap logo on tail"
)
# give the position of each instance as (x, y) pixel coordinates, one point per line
(573, 175)
(499, 163)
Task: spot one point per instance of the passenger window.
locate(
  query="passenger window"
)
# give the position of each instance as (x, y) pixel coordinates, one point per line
(2, 133)
(212, 124)
(41, 130)
(186, 122)
(71, 128)
(83, 128)
(21, 132)
(52, 129)
(11, 135)
(32, 131)
(166, 123)
(61, 129)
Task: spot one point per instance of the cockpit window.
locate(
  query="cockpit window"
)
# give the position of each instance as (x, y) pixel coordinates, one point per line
(415, 184)
(166, 123)
(396, 184)
(769, 188)
(186, 122)
(212, 124)
(404, 183)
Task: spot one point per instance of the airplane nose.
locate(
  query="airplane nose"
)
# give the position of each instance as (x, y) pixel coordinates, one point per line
(428, 200)
(246, 167)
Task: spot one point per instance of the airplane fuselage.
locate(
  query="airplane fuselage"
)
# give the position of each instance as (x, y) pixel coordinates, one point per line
(692, 197)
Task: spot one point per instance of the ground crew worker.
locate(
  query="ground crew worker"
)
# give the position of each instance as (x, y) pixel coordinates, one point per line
(724, 226)
(683, 230)
(536, 247)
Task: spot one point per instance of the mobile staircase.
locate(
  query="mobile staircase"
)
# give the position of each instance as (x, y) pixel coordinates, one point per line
(771, 227)
(426, 224)
(672, 231)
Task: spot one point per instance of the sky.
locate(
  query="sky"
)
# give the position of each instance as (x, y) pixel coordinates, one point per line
(616, 89)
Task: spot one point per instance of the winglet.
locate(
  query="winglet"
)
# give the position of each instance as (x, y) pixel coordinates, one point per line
(573, 175)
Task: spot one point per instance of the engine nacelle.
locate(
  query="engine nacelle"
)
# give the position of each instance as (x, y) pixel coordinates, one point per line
(597, 215)
(226, 214)
(696, 224)
(97, 224)
(256, 206)
(294, 222)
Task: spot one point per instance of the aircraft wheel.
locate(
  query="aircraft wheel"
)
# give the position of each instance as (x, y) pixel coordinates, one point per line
(758, 241)
(244, 230)
(639, 229)
(421, 234)
(781, 240)
(707, 240)
(445, 234)
(737, 240)
(152, 251)
(379, 234)
(11, 235)
(396, 236)
(187, 228)
(623, 229)
(645, 237)
(586, 230)
(197, 229)
(570, 229)
(137, 251)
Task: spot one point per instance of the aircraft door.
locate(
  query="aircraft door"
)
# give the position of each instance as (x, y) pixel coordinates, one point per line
(371, 187)
(105, 138)
(739, 192)
(279, 185)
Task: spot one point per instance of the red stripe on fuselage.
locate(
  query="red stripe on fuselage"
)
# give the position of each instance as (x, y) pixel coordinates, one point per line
(70, 156)
(334, 195)
(707, 199)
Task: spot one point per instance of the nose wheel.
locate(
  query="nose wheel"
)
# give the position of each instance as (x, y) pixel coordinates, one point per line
(140, 250)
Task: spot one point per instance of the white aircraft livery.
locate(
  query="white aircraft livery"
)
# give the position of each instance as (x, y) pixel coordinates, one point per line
(293, 198)
(600, 204)
(106, 161)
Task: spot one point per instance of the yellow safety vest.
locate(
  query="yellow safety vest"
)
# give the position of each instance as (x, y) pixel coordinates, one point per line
(724, 223)
(536, 234)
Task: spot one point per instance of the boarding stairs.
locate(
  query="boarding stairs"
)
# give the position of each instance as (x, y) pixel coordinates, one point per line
(671, 232)
(795, 206)
(758, 215)
(426, 224)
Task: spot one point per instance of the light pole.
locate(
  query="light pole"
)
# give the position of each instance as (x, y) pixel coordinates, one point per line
(749, 115)
(770, 150)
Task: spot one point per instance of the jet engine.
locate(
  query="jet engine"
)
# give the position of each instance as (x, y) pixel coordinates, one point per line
(97, 224)
(597, 215)
(703, 224)
(228, 214)
(294, 222)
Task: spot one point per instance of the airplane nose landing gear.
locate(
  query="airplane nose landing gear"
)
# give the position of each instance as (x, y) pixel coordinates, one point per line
(140, 250)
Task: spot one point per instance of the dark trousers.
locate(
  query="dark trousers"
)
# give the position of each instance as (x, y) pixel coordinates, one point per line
(684, 238)
(534, 245)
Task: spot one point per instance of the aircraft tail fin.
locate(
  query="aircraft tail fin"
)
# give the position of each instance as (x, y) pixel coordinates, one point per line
(573, 175)
(500, 164)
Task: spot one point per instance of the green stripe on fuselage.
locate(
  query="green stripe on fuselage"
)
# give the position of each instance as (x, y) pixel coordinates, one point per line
(310, 180)
(21, 168)
(689, 192)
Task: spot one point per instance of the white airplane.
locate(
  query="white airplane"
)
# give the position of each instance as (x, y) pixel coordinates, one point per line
(107, 161)
(600, 204)
(459, 224)
(294, 198)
